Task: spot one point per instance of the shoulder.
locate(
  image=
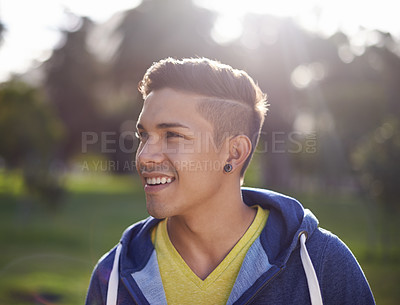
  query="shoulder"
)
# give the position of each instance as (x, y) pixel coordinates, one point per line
(105, 264)
(331, 249)
(341, 278)
(328, 251)
(134, 240)
(98, 283)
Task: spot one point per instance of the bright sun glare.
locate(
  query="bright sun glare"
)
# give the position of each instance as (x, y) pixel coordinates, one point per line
(22, 44)
(325, 17)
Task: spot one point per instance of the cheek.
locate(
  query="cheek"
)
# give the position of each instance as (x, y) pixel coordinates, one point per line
(180, 147)
(137, 156)
(196, 158)
(197, 165)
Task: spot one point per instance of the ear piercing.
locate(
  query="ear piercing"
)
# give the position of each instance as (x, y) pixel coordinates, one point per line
(228, 168)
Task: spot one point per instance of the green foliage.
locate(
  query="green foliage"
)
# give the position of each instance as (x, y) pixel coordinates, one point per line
(28, 128)
(29, 134)
(375, 161)
(375, 158)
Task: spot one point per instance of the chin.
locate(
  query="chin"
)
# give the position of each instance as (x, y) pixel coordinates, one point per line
(156, 215)
(156, 210)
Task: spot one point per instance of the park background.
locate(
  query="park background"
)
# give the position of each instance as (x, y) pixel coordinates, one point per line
(68, 186)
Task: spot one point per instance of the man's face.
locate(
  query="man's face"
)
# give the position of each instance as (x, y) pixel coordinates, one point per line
(181, 170)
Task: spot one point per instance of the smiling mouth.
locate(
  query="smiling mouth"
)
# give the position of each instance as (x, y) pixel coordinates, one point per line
(159, 180)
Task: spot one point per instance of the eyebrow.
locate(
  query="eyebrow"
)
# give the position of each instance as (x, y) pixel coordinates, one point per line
(165, 125)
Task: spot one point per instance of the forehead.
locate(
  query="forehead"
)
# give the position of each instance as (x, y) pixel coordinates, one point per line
(171, 106)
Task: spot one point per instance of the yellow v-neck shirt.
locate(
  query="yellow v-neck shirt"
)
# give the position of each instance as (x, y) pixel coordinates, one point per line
(182, 286)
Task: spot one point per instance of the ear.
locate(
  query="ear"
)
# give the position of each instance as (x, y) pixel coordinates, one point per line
(239, 150)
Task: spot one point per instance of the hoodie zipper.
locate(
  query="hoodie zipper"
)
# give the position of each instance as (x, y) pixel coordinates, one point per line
(129, 290)
(262, 287)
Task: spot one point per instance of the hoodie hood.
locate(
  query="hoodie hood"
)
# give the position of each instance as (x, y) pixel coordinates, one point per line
(287, 220)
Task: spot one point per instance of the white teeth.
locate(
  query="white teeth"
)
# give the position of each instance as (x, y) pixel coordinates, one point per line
(158, 180)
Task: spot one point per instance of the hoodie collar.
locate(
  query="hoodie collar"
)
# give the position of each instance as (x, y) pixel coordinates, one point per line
(137, 245)
(287, 219)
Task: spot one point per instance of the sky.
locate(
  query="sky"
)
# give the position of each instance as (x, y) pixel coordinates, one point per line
(33, 26)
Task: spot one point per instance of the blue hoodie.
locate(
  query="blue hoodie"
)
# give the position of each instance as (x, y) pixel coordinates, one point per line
(292, 262)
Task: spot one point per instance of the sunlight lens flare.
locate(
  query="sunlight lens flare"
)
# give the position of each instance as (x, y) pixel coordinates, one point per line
(226, 29)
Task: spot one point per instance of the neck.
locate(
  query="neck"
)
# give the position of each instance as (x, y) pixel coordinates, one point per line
(205, 236)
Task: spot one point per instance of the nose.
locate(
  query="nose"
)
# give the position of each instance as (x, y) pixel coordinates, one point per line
(150, 152)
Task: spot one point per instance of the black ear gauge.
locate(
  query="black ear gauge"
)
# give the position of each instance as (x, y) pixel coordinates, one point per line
(228, 168)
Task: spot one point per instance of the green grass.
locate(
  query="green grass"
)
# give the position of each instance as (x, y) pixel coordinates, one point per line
(49, 255)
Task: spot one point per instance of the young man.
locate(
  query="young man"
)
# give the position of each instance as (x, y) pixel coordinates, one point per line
(209, 241)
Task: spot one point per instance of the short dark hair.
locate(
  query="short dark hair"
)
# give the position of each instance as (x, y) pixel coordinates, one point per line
(229, 93)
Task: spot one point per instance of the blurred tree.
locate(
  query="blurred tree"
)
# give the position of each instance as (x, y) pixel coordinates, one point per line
(375, 159)
(353, 107)
(157, 29)
(2, 29)
(327, 79)
(29, 133)
(360, 94)
(270, 49)
(72, 75)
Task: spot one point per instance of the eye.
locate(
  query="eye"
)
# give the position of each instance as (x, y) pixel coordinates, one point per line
(171, 134)
(142, 135)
